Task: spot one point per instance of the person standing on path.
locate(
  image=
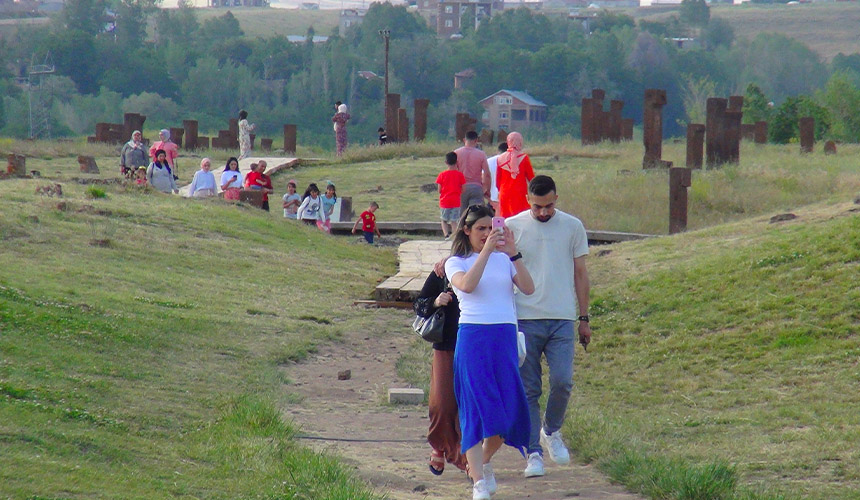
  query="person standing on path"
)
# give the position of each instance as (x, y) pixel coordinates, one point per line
(513, 174)
(340, 118)
(473, 163)
(493, 163)
(245, 130)
(483, 268)
(554, 245)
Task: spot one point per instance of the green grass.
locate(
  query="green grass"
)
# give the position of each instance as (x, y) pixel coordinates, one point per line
(257, 22)
(152, 367)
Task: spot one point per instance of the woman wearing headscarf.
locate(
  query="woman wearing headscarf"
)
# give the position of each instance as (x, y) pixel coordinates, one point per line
(513, 174)
(159, 175)
(203, 185)
(339, 119)
(245, 130)
(170, 149)
(133, 155)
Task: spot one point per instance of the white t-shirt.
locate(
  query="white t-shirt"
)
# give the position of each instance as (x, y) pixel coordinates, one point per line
(492, 301)
(493, 163)
(311, 209)
(548, 250)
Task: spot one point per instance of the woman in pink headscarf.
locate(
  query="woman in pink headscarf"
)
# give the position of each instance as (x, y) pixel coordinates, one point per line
(169, 147)
(512, 177)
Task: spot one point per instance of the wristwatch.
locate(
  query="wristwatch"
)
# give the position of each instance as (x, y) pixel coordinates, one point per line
(584, 318)
(517, 257)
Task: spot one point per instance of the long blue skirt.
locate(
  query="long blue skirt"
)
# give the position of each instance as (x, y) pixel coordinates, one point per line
(490, 395)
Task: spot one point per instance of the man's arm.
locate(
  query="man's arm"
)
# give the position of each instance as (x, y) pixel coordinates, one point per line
(582, 286)
(486, 177)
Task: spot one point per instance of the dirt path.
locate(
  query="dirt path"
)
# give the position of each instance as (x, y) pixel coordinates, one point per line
(387, 445)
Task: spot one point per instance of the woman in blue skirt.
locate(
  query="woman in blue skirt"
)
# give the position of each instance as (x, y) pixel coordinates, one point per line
(483, 269)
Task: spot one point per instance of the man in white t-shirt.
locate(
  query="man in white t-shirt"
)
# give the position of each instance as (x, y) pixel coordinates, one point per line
(554, 245)
(493, 163)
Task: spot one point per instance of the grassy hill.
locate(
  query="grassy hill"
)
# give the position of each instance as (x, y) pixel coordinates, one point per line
(141, 337)
(257, 22)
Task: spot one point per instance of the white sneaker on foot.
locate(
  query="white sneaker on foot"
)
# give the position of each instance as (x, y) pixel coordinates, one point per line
(490, 478)
(534, 466)
(480, 491)
(553, 444)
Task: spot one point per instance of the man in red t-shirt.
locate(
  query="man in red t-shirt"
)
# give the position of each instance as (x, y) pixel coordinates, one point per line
(450, 188)
(368, 223)
(260, 181)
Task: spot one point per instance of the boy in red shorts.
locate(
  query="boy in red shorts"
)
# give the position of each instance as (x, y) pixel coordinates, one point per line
(450, 188)
(368, 223)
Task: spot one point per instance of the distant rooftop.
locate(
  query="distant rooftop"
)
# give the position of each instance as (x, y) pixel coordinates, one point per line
(522, 96)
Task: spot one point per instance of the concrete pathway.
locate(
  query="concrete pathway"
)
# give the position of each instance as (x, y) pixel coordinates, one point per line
(416, 259)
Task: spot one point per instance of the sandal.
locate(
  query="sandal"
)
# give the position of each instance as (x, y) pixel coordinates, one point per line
(437, 463)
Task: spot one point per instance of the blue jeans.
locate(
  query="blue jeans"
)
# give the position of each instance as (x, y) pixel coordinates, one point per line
(368, 236)
(555, 339)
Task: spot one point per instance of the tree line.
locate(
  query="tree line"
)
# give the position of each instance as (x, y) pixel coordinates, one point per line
(170, 65)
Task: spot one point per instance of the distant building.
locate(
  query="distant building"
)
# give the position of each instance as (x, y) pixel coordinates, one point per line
(238, 3)
(300, 39)
(463, 77)
(350, 18)
(512, 110)
(449, 14)
(18, 6)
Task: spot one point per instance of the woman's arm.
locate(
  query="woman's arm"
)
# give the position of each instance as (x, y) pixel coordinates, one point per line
(303, 206)
(468, 281)
(424, 304)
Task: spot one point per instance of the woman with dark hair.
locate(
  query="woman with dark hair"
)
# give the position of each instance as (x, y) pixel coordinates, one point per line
(245, 130)
(311, 210)
(339, 119)
(231, 180)
(444, 432)
(170, 149)
(159, 175)
(483, 268)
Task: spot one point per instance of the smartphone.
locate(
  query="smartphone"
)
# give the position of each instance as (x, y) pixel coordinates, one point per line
(499, 224)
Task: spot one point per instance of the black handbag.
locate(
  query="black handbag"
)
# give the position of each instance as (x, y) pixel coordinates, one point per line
(431, 329)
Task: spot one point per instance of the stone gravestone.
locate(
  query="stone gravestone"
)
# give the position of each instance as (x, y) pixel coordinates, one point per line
(714, 130)
(420, 117)
(652, 123)
(587, 121)
(736, 103)
(486, 138)
(252, 197)
(190, 128)
(402, 125)
(807, 134)
(266, 144)
(599, 117)
(614, 126)
(16, 165)
(830, 148)
(176, 135)
(345, 208)
(732, 135)
(290, 139)
(627, 129)
(679, 180)
(748, 131)
(202, 142)
(695, 144)
(392, 117)
(88, 165)
(502, 136)
(462, 124)
(132, 122)
(234, 134)
(761, 132)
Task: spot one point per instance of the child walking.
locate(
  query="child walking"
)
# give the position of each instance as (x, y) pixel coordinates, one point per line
(450, 183)
(368, 223)
(292, 200)
(310, 211)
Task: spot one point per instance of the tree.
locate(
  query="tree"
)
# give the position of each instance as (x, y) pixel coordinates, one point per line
(83, 15)
(842, 100)
(718, 33)
(695, 94)
(756, 106)
(131, 19)
(607, 21)
(785, 125)
(695, 12)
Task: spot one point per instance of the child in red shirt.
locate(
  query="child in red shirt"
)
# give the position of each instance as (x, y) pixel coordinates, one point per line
(450, 187)
(368, 223)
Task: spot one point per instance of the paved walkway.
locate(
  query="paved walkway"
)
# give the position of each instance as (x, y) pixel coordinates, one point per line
(274, 164)
(416, 259)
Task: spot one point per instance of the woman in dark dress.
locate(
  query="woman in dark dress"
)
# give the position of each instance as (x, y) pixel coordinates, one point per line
(444, 433)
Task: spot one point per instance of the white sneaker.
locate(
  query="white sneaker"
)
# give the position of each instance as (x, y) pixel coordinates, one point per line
(555, 447)
(534, 466)
(480, 491)
(490, 478)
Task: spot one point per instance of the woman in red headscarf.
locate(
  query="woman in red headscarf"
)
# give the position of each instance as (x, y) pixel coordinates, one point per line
(512, 177)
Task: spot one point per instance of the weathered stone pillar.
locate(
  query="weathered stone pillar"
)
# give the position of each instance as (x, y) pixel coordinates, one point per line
(695, 144)
(830, 148)
(16, 165)
(419, 116)
(747, 131)
(761, 132)
(132, 122)
(265, 144)
(502, 136)
(289, 139)
(191, 128)
(613, 131)
(464, 123)
(392, 124)
(807, 134)
(652, 122)
(234, 133)
(176, 135)
(103, 132)
(732, 135)
(679, 180)
(714, 127)
(736, 103)
(88, 165)
(202, 142)
(600, 117)
(402, 125)
(587, 121)
(627, 129)
(486, 138)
